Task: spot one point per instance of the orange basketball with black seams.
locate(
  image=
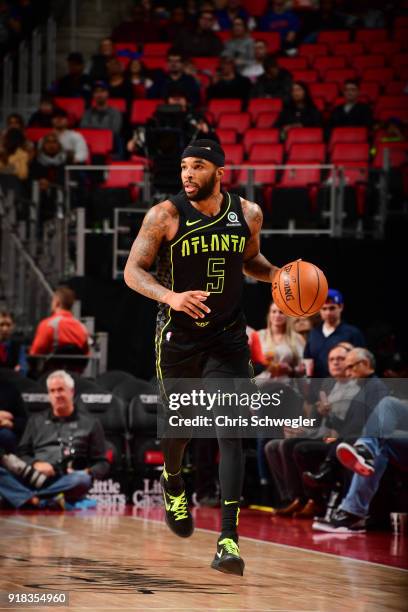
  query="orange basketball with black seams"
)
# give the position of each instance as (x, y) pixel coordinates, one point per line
(299, 289)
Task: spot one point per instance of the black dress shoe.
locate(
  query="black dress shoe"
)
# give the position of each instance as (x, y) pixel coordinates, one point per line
(322, 479)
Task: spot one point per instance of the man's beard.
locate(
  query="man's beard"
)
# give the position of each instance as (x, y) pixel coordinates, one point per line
(204, 191)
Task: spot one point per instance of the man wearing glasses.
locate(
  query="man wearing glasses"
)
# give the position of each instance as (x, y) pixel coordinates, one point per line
(330, 333)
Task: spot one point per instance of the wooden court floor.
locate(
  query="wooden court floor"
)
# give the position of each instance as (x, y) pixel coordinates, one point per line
(111, 562)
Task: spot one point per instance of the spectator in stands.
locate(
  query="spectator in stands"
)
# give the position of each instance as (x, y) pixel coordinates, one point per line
(139, 27)
(352, 112)
(360, 366)
(275, 82)
(329, 333)
(299, 111)
(385, 438)
(42, 118)
(255, 68)
(72, 142)
(231, 11)
(361, 15)
(178, 24)
(22, 18)
(75, 84)
(282, 347)
(101, 115)
(303, 326)
(203, 41)
(48, 169)
(278, 19)
(139, 81)
(228, 84)
(97, 69)
(308, 448)
(326, 18)
(61, 332)
(12, 350)
(240, 47)
(175, 74)
(119, 86)
(66, 444)
(14, 159)
(12, 416)
(15, 120)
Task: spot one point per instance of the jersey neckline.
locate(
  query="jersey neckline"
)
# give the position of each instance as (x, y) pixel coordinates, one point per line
(224, 204)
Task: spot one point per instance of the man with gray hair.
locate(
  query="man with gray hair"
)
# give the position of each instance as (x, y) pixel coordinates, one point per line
(65, 444)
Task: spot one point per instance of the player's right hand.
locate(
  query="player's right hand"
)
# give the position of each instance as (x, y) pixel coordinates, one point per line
(190, 302)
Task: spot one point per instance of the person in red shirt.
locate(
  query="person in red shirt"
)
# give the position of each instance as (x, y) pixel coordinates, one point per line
(61, 333)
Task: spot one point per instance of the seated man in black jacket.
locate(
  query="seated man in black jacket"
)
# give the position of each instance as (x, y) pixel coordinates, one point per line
(352, 113)
(65, 444)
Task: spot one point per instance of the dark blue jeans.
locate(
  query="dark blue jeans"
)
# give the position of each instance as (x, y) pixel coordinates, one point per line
(75, 486)
(8, 440)
(386, 436)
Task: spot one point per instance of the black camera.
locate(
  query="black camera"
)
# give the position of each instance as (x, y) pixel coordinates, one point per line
(23, 470)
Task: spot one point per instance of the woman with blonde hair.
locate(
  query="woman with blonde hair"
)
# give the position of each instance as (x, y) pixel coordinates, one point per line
(282, 346)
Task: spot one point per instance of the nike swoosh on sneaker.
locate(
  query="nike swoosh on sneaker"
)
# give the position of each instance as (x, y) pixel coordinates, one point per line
(168, 506)
(219, 554)
(188, 223)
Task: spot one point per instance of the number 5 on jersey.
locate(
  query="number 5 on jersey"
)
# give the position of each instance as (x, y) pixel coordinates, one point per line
(216, 271)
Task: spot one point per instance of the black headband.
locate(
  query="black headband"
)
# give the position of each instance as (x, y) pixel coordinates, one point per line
(217, 157)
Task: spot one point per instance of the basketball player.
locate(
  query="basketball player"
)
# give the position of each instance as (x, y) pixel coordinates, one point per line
(204, 239)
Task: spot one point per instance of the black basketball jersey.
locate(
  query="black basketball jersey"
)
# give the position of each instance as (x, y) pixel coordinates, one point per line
(207, 254)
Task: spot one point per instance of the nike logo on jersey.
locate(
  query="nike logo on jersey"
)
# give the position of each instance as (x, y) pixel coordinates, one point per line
(188, 223)
(227, 503)
(201, 323)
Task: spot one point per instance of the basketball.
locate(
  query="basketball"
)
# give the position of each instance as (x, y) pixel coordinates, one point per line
(299, 289)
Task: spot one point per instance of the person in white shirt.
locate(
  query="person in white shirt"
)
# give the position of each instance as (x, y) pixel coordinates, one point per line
(72, 142)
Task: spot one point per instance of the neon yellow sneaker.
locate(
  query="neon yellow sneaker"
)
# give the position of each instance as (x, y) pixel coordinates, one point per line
(227, 558)
(178, 516)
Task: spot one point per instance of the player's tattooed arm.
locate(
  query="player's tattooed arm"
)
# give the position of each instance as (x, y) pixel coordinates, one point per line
(255, 264)
(155, 229)
(159, 225)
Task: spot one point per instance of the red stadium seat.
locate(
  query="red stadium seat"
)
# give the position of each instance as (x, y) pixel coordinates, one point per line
(307, 76)
(311, 51)
(124, 60)
(333, 37)
(369, 91)
(386, 114)
(206, 63)
(143, 110)
(385, 102)
(224, 35)
(100, 142)
(401, 36)
(125, 46)
(262, 154)
(36, 133)
(339, 75)
(370, 37)
(362, 62)
(229, 105)
(157, 48)
(118, 103)
(322, 64)
(266, 120)
(357, 173)
(234, 155)
(387, 48)
(75, 107)
(255, 7)
(327, 91)
(307, 153)
(300, 177)
(398, 61)
(272, 39)
(401, 22)
(397, 154)
(395, 88)
(261, 105)
(256, 135)
(343, 153)
(293, 63)
(153, 62)
(348, 135)
(302, 134)
(227, 136)
(238, 121)
(348, 49)
(378, 75)
(124, 176)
